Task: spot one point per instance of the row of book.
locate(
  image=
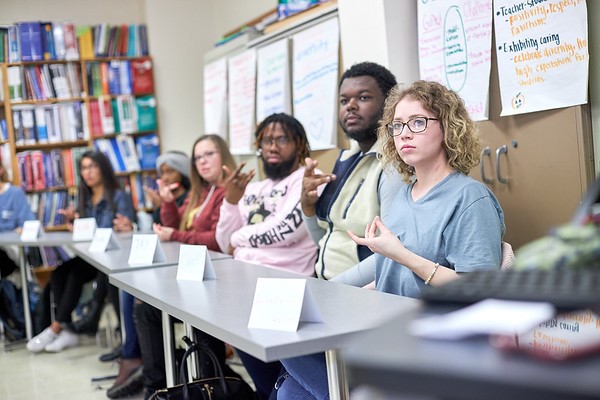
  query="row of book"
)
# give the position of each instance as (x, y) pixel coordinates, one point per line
(128, 155)
(136, 186)
(104, 40)
(44, 82)
(120, 77)
(68, 121)
(123, 114)
(58, 168)
(38, 41)
(46, 205)
(49, 123)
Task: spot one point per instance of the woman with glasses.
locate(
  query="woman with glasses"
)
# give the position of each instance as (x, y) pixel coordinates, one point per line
(194, 222)
(443, 222)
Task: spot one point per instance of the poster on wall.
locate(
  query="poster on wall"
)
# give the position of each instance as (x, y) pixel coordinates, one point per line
(215, 97)
(314, 82)
(542, 51)
(455, 44)
(242, 102)
(273, 87)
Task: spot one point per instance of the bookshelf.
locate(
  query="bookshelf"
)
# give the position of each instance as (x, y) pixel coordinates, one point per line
(97, 93)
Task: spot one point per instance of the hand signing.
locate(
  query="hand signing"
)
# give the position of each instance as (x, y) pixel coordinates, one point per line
(236, 182)
(164, 232)
(122, 224)
(386, 243)
(310, 184)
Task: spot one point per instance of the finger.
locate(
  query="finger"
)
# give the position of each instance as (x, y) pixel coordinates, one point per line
(312, 193)
(355, 238)
(382, 228)
(310, 166)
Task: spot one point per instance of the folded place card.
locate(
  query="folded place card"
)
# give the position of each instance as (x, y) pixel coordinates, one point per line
(31, 230)
(104, 239)
(83, 229)
(145, 250)
(194, 264)
(280, 304)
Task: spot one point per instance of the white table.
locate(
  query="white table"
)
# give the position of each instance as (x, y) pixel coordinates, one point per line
(222, 307)
(116, 260)
(48, 239)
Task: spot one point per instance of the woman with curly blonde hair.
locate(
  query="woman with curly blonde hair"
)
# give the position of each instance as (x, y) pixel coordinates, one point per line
(460, 140)
(443, 221)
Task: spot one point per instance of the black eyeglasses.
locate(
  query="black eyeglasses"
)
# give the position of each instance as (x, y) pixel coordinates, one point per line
(280, 141)
(415, 125)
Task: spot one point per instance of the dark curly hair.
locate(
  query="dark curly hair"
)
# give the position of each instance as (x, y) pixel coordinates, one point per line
(292, 127)
(384, 78)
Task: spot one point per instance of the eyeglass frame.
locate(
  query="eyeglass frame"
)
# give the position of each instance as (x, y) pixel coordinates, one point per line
(208, 155)
(280, 141)
(390, 127)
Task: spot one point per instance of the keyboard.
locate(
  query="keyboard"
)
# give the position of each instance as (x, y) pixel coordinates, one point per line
(564, 288)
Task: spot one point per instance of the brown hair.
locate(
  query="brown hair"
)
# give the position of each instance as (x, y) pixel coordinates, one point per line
(198, 184)
(461, 139)
(3, 173)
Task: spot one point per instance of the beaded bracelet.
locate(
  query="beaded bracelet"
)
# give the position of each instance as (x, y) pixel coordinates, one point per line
(435, 268)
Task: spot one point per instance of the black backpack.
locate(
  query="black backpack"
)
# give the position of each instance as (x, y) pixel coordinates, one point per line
(11, 311)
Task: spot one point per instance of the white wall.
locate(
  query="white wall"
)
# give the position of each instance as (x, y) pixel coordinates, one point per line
(179, 33)
(381, 31)
(77, 11)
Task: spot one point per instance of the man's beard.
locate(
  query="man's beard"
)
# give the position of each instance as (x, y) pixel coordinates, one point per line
(280, 170)
(363, 135)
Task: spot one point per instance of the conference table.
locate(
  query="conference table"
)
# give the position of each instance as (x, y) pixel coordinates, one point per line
(399, 364)
(117, 260)
(222, 307)
(47, 239)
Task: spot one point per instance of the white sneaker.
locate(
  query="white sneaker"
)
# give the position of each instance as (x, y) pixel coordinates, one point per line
(64, 340)
(38, 343)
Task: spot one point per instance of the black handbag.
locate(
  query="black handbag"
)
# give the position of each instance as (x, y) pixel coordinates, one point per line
(218, 388)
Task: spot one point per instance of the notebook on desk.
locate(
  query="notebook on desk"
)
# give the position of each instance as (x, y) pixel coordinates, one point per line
(564, 288)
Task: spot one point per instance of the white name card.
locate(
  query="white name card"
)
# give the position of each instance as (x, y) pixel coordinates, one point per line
(104, 239)
(145, 250)
(194, 264)
(31, 230)
(280, 304)
(83, 229)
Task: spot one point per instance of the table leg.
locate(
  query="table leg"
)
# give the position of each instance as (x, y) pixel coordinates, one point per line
(336, 376)
(25, 292)
(193, 361)
(169, 348)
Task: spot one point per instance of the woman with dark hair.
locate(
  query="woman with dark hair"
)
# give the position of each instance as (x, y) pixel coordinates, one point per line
(101, 198)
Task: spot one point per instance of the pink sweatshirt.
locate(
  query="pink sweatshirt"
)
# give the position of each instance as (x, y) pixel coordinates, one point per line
(266, 226)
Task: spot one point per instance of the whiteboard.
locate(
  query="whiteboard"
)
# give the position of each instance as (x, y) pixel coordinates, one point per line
(273, 87)
(242, 102)
(215, 97)
(455, 49)
(314, 82)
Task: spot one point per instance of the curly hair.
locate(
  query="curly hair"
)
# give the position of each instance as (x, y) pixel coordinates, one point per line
(290, 126)
(384, 78)
(461, 138)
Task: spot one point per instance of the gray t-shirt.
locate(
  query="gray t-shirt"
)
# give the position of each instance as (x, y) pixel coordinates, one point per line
(458, 223)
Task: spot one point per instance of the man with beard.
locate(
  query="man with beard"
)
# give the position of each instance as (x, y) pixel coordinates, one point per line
(261, 222)
(353, 192)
